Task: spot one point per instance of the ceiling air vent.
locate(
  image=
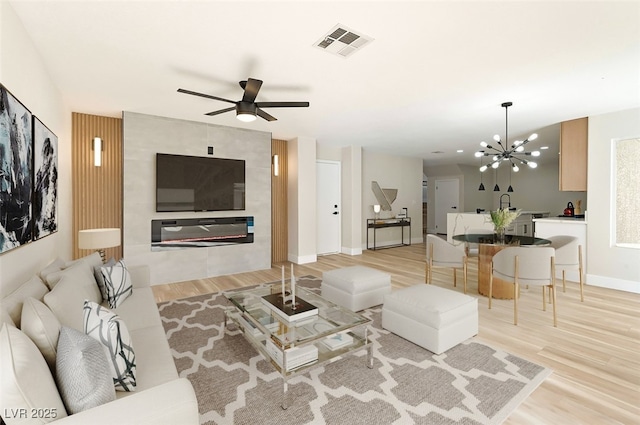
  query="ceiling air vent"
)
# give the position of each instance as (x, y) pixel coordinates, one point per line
(342, 41)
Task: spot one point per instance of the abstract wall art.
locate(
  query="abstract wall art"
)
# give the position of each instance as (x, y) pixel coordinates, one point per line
(16, 172)
(45, 190)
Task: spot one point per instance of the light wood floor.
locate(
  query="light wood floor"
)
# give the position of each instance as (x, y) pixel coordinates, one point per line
(594, 352)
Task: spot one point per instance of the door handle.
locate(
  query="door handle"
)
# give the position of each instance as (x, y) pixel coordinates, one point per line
(335, 213)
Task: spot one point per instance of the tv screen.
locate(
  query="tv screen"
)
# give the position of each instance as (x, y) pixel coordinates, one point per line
(193, 183)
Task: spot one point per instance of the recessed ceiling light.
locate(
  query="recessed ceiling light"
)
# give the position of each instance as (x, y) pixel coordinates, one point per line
(460, 151)
(544, 147)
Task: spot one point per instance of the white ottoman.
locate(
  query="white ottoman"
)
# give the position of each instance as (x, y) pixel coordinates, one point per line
(355, 288)
(432, 317)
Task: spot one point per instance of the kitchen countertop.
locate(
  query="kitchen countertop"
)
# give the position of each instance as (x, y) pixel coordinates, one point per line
(521, 212)
(568, 220)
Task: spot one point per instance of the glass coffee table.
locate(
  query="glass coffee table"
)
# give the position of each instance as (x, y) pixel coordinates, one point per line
(296, 347)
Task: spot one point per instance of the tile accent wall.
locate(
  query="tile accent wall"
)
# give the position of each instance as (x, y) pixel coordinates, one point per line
(146, 135)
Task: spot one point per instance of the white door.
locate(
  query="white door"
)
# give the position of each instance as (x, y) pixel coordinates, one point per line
(447, 194)
(328, 207)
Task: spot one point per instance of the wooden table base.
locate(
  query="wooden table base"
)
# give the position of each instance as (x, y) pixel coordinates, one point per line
(501, 289)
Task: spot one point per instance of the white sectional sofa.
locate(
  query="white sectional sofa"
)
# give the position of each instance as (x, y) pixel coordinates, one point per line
(28, 392)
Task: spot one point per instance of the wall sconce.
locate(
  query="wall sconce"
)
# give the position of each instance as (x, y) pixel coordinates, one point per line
(276, 165)
(97, 151)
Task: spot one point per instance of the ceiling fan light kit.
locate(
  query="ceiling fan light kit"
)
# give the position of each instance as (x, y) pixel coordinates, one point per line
(247, 108)
(504, 152)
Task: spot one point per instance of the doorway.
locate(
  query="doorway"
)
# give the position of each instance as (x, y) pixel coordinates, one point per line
(446, 199)
(329, 239)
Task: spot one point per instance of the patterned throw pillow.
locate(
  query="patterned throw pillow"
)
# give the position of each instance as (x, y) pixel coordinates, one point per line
(97, 272)
(117, 283)
(106, 327)
(82, 371)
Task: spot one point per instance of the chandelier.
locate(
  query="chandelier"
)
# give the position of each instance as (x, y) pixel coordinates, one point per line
(504, 152)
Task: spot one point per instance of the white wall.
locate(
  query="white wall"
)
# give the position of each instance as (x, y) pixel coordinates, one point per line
(608, 265)
(23, 73)
(352, 200)
(302, 200)
(392, 172)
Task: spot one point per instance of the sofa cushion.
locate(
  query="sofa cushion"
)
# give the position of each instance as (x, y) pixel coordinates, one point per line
(82, 372)
(42, 326)
(12, 303)
(139, 310)
(25, 379)
(117, 283)
(66, 300)
(106, 327)
(155, 364)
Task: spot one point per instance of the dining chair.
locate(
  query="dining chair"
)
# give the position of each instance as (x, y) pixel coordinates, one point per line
(441, 253)
(568, 257)
(522, 265)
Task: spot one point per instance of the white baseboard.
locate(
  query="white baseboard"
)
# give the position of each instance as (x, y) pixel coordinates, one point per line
(303, 259)
(351, 251)
(613, 283)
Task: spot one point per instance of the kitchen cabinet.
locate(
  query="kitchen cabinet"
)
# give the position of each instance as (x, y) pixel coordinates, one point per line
(573, 155)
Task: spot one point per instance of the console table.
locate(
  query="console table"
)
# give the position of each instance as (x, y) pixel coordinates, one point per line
(398, 223)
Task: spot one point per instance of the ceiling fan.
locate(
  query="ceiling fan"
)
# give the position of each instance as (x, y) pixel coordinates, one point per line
(247, 108)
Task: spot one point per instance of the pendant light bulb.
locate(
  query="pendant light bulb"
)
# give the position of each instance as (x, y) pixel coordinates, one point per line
(496, 188)
(534, 136)
(481, 186)
(532, 164)
(510, 189)
(483, 168)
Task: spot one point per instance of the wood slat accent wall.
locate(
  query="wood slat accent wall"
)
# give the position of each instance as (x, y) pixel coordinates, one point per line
(97, 191)
(279, 217)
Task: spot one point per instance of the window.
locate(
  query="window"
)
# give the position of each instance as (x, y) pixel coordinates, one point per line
(627, 193)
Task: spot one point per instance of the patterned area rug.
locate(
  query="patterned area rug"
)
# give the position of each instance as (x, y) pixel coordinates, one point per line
(469, 384)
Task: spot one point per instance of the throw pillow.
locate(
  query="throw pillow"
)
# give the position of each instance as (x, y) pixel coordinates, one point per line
(91, 260)
(66, 300)
(82, 372)
(117, 283)
(97, 271)
(12, 303)
(55, 266)
(42, 326)
(106, 327)
(26, 383)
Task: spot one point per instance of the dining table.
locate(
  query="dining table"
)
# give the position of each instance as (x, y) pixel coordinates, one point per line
(488, 246)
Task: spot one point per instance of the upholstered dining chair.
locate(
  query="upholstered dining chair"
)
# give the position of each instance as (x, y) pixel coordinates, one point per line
(529, 266)
(568, 257)
(441, 253)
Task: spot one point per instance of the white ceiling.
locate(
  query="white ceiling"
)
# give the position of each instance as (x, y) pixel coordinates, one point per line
(432, 80)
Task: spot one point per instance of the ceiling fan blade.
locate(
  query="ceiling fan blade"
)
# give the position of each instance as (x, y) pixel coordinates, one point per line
(263, 114)
(282, 104)
(221, 111)
(208, 96)
(251, 89)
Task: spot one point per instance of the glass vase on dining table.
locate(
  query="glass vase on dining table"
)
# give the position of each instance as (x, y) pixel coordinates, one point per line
(500, 235)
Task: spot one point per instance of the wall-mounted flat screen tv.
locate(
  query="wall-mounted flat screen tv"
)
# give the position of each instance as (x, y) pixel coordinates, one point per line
(194, 183)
